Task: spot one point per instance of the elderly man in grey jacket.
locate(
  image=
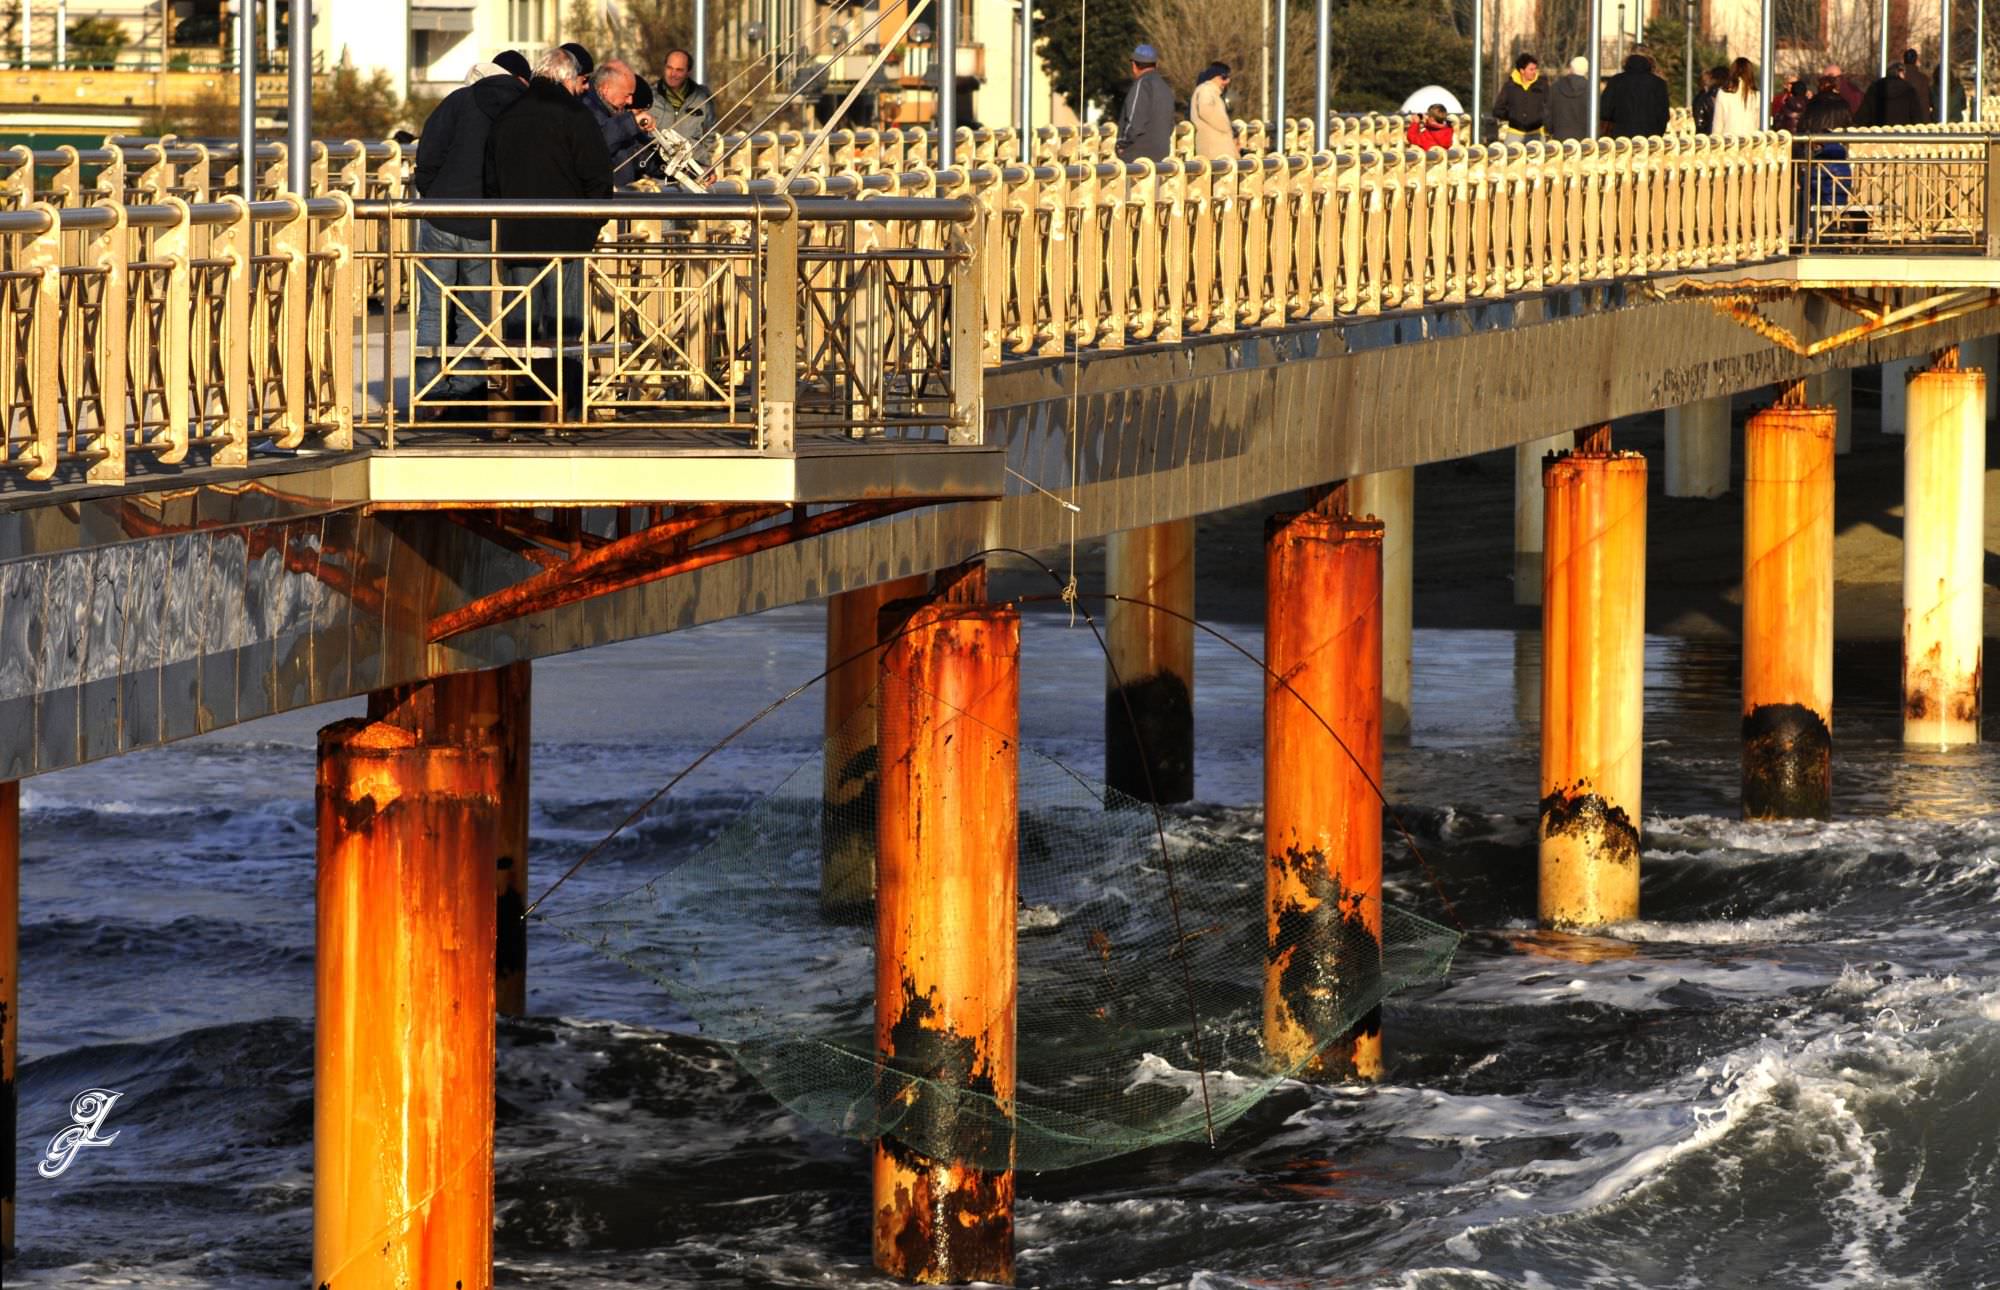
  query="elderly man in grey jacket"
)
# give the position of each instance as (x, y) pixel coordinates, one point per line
(1146, 125)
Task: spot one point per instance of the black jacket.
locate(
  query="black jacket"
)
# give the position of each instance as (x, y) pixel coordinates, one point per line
(1527, 109)
(1634, 103)
(1569, 108)
(1892, 101)
(451, 156)
(548, 145)
(1704, 111)
(622, 136)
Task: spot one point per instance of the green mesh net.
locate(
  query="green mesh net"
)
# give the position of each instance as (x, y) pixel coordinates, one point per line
(1140, 1002)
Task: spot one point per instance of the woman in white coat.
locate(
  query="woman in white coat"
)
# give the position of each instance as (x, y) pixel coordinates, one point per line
(1736, 104)
(1214, 136)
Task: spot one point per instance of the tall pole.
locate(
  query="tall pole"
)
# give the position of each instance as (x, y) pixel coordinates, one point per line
(700, 67)
(1596, 62)
(1478, 67)
(62, 33)
(1263, 58)
(946, 63)
(1027, 78)
(270, 31)
(1687, 60)
(299, 135)
(1979, 61)
(1944, 61)
(246, 108)
(1322, 68)
(1883, 34)
(1767, 49)
(1278, 75)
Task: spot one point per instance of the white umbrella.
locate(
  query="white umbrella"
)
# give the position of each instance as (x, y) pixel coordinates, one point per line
(1429, 94)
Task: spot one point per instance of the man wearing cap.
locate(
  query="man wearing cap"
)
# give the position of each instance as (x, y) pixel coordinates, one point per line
(451, 162)
(585, 65)
(1146, 123)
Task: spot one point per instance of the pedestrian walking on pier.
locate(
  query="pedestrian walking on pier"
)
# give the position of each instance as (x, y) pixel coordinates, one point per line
(1146, 122)
(1712, 83)
(1896, 99)
(548, 145)
(1214, 135)
(1634, 105)
(1523, 106)
(452, 263)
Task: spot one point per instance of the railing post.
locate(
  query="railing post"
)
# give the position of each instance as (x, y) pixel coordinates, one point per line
(289, 243)
(235, 243)
(336, 240)
(778, 359)
(43, 255)
(107, 349)
(968, 362)
(171, 247)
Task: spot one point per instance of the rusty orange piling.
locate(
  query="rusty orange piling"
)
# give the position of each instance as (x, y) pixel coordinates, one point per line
(1788, 611)
(1322, 818)
(489, 706)
(945, 937)
(1593, 684)
(1149, 674)
(1944, 554)
(10, 991)
(847, 797)
(403, 1053)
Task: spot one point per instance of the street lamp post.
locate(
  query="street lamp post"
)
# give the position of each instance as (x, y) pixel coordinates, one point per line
(1478, 67)
(1322, 69)
(246, 109)
(1767, 48)
(1027, 78)
(298, 145)
(945, 62)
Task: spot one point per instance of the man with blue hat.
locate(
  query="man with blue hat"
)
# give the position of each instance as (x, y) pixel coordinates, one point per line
(1146, 125)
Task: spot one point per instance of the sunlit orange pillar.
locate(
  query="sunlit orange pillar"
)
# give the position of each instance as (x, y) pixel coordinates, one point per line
(10, 991)
(1149, 676)
(403, 1060)
(1322, 818)
(1788, 454)
(1944, 554)
(847, 814)
(489, 706)
(1593, 685)
(944, 937)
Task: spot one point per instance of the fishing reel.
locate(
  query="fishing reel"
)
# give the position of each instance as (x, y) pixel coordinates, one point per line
(678, 161)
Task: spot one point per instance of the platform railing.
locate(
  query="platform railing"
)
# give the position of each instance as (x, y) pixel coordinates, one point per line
(753, 320)
(1893, 193)
(174, 332)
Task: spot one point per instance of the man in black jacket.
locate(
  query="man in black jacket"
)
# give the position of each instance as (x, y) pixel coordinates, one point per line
(451, 162)
(548, 145)
(1523, 106)
(1896, 99)
(1635, 101)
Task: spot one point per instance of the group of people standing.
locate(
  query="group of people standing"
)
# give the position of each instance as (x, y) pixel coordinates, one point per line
(1533, 106)
(563, 126)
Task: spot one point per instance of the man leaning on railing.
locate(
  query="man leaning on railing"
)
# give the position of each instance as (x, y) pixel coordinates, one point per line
(451, 162)
(548, 145)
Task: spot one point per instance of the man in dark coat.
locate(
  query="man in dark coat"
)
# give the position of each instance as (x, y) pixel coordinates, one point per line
(625, 128)
(548, 145)
(1146, 122)
(1635, 101)
(451, 162)
(1893, 100)
(1569, 102)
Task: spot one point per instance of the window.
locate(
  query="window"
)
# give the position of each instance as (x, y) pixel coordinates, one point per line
(524, 22)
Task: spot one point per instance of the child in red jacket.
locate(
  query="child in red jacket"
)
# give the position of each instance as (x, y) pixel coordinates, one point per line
(1431, 130)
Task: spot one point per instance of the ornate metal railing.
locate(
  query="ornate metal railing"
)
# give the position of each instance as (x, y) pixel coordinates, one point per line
(1882, 192)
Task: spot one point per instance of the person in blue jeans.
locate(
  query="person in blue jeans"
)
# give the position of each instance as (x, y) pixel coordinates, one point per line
(451, 162)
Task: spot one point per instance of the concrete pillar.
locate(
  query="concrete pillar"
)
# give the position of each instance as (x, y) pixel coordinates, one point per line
(1528, 514)
(490, 706)
(1835, 389)
(847, 794)
(1944, 554)
(1698, 449)
(1984, 355)
(1593, 688)
(10, 991)
(1149, 675)
(1322, 818)
(404, 1002)
(1895, 391)
(1391, 497)
(1788, 613)
(945, 967)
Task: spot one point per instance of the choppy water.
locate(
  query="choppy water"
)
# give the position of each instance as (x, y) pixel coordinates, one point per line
(1783, 1075)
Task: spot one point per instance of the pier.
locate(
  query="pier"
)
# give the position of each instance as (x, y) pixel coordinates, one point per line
(225, 494)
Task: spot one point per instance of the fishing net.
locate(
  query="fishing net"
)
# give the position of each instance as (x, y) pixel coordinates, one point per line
(1140, 1001)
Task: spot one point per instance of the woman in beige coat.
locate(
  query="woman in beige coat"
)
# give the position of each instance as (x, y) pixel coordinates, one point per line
(1213, 134)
